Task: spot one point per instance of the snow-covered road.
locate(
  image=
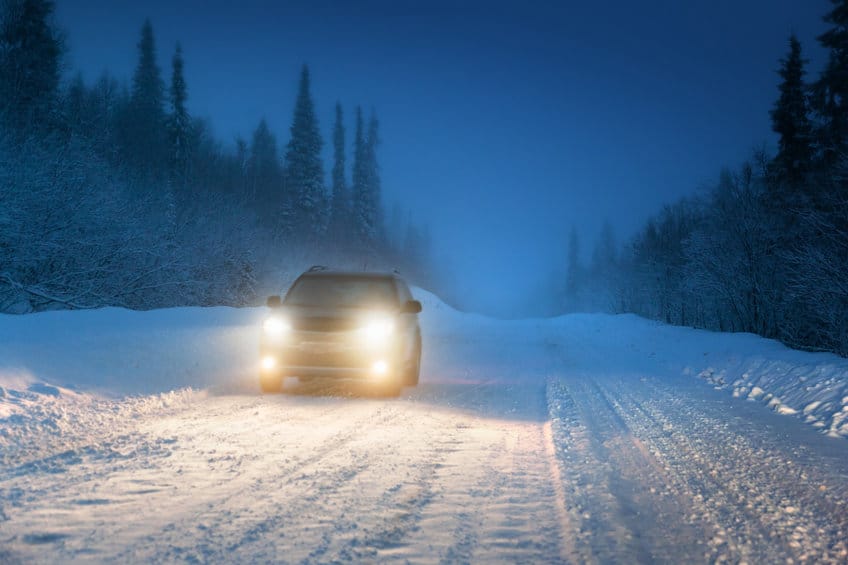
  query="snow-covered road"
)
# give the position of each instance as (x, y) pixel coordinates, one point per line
(532, 441)
(451, 472)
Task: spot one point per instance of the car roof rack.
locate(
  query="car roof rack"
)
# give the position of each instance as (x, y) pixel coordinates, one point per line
(316, 268)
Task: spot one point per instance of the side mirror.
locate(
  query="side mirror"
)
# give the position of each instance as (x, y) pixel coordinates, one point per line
(274, 301)
(411, 307)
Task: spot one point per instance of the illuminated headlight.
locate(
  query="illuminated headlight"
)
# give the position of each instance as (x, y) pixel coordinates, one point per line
(380, 368)
(378, 331)
(275, 326)
(269, 362)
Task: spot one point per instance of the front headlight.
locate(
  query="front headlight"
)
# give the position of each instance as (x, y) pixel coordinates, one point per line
(378, 331)
(275, 326)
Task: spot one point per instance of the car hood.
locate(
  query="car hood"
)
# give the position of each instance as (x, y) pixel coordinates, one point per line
(318, 318)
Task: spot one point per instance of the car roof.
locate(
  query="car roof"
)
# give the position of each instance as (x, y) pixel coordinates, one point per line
(350, 274)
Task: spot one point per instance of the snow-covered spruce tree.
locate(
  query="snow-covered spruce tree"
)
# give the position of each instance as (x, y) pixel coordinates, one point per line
(179, 126)
(574, 275)
(366, 207)
(339, 212)
(603, 272)
(143, 127)
(304, 172)
(790, 120)
(265, 180)
(359, 177)
(830, 92)
(373, 181)
(31, 50)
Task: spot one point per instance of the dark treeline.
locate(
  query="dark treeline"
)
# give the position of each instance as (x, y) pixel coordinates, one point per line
(765, 250)
(113, 194)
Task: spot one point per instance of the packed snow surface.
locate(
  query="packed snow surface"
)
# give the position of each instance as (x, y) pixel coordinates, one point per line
(141, 437)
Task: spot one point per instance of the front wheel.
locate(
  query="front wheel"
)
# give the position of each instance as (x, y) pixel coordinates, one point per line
(270, 384)
(414, 369)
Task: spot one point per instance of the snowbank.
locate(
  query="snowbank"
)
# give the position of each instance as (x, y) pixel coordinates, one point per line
(65, 363)
(119, 352)
(810, 386)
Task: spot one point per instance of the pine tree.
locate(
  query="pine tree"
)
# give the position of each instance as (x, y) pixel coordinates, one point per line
(340, 205)
(179, 123)
(605, 254)
(603, 270)
(303, 167)
(367, 209)
(30, 55)
(575, 273)
(790, 119)
(831, 90)
(144, 123)
(264, 170)
(147, 86)
(375, 207)
(360, 201)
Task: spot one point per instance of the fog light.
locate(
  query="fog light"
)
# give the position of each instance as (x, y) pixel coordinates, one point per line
(276, 327)
(380, 368)
(269, 362)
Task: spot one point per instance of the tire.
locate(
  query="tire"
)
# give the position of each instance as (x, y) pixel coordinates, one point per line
(414, 370)
(393, 389)
(270, 384)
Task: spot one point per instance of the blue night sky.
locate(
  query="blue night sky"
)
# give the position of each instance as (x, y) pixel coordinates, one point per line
(504, 124)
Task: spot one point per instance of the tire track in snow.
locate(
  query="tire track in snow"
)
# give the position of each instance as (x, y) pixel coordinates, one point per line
(453, 473)
(568, 531)
(765, 502)
(614, 492)
(239, 518)
(653, 472)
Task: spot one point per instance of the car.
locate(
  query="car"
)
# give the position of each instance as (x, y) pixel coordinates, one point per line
(342, 325)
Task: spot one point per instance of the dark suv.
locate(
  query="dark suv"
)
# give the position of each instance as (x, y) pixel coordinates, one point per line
(338, 324)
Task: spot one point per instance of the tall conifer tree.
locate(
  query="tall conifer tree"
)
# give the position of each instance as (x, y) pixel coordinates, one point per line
(366, 183)
(790, 118)
(144, 130)
(574, 275)
(179, 122)
(375, 208)
(263, 170)
(304, 170)
(359, 177)
(831, 91)
(340, 204)
(30, 55)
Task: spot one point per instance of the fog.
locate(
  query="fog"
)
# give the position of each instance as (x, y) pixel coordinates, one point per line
(503, 125)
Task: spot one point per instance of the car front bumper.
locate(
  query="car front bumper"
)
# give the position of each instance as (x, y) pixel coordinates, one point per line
(328, 357)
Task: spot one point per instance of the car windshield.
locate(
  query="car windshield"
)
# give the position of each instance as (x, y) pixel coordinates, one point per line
(345, 292)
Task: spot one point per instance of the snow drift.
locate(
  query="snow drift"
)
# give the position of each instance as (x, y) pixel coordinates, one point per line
(59, 368)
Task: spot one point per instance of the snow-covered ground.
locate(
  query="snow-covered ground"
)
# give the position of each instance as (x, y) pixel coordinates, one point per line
(141, 436)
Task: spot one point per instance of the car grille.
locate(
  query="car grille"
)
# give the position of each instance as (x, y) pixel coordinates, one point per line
(323, 324)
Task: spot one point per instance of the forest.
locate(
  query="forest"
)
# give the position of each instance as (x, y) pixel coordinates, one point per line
(114, 194)
(765, 249)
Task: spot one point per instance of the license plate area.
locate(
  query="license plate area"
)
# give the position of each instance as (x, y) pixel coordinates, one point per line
(323, 347)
